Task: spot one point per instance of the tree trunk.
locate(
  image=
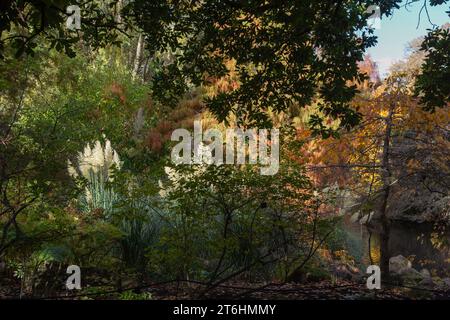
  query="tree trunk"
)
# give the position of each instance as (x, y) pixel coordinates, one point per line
(386, 176)
(138, 56)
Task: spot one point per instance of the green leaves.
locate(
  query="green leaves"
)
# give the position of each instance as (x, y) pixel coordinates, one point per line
(227, 218)
(25, 23)
(433, 84)
(53, 253)
(285, 52)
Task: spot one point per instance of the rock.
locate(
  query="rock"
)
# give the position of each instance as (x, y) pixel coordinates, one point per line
(427, 282)
(366, 219)
(425, 273)
(411, 276)
(342, 272)
(399, 264)
(355, 217)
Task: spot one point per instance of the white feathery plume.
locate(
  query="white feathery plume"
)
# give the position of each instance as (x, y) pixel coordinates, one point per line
(96, 159)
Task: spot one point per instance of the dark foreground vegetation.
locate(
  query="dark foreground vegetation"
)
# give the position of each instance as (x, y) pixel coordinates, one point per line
(86, 177)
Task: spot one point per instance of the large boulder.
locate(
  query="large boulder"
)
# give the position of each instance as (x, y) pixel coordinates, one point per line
(427, 283)
(399, 265)
(425, 273)
(413, 277)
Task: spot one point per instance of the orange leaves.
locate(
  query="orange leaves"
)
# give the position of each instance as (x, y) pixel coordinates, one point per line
(182, 116)
(370, 69)
(117, 90)
(224, 84)
(154, 141)
(426, 122)
(413, 165)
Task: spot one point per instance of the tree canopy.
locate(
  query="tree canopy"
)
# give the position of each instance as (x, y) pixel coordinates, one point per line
(285, 52)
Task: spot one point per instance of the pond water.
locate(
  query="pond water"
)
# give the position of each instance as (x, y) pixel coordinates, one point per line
(427, 245)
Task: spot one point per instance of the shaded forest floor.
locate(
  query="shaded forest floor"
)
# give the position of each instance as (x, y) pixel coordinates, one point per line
(322, 290)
